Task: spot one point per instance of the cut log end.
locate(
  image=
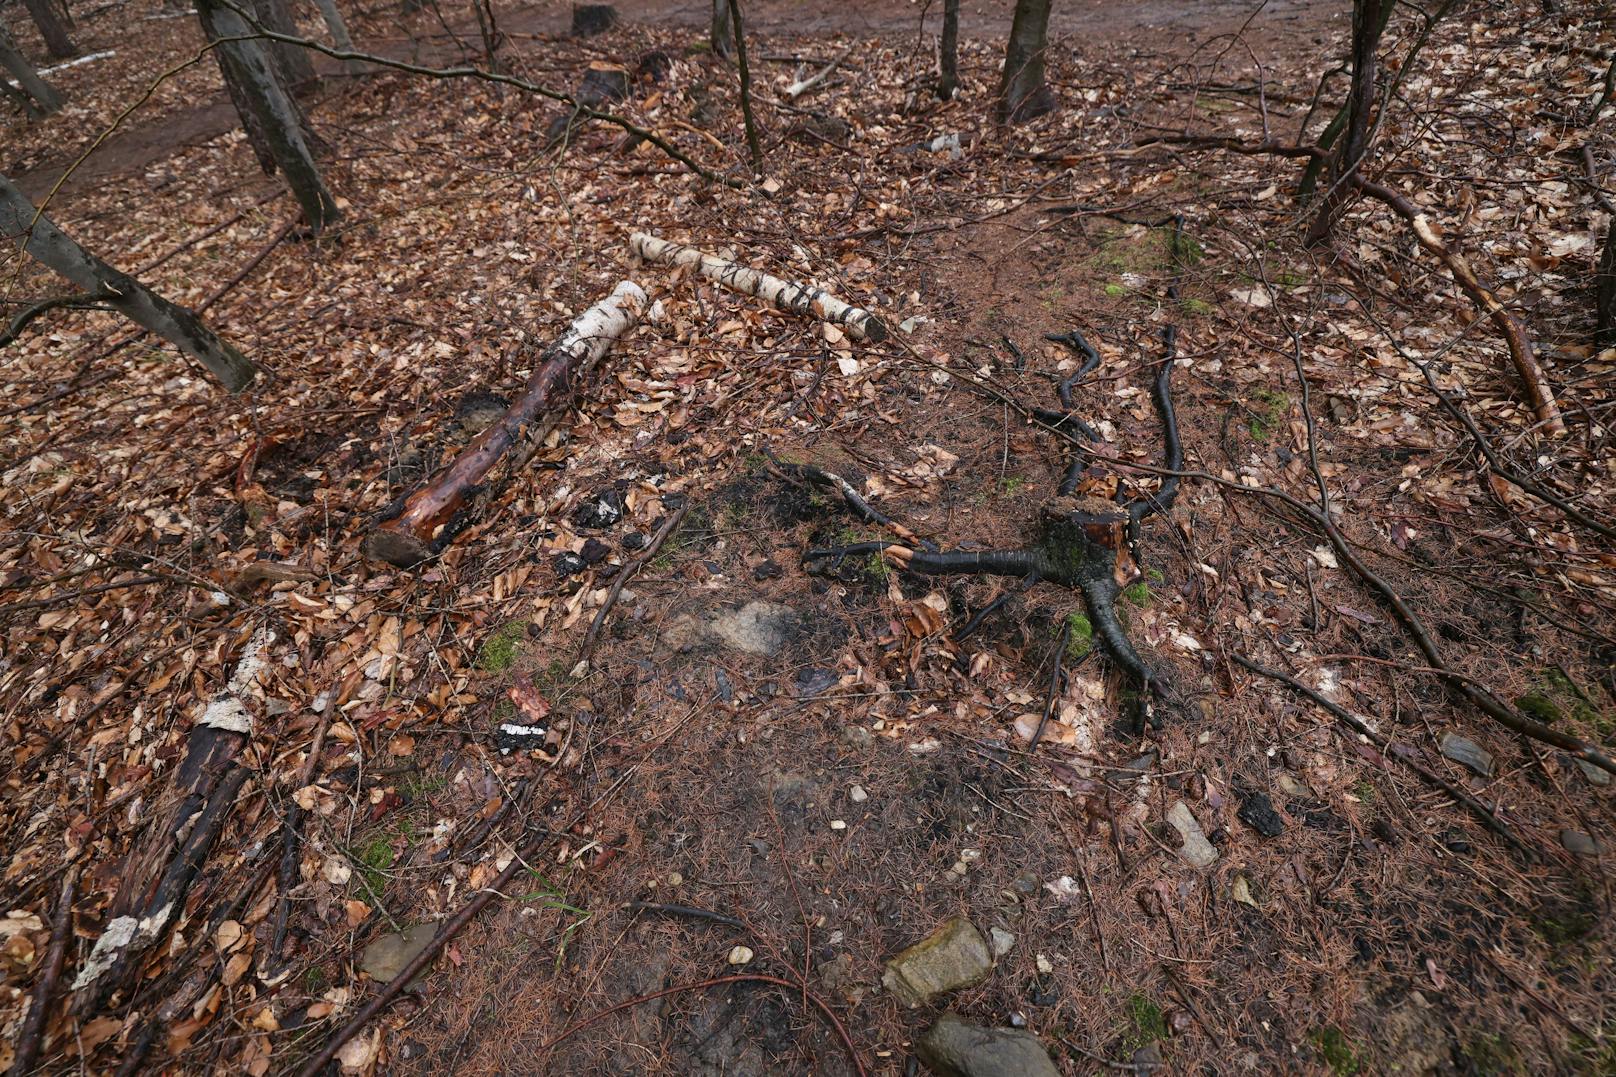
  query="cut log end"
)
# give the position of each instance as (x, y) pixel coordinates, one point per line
(397, 548)
(873, 329)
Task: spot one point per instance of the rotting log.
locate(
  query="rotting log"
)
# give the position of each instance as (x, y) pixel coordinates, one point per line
(413, 534)
(795, 298)
(183, 825)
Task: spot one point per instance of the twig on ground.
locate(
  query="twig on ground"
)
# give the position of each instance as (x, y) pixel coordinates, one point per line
(627, 572)
(1388, 750)
(33, 1026)
(686, 910)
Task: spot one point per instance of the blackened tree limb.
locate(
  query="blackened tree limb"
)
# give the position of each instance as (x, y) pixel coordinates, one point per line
(46, 98)
(851, 497)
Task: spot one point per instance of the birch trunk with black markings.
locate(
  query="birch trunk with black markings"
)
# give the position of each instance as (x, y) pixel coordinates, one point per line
(22, 223)
(796, 298)
(422, 523)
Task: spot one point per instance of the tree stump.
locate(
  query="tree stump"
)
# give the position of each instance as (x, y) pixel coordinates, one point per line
(591, 19)
(601, 85)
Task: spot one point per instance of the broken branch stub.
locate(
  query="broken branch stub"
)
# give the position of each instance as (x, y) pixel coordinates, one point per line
(795, 298)
(408, 538)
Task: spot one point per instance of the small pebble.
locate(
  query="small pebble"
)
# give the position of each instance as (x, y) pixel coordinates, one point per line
(838, 824)
(857, 794)
(741, 955)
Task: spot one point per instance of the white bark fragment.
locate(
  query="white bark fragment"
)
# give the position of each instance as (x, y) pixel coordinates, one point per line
(114, 939)
(226, 709)
(593, 332)
(796, 298)
(802, 86)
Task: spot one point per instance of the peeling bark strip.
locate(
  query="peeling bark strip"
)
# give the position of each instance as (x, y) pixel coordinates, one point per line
(185, 822)
(408, 538)
(796, 298)
(20, 222)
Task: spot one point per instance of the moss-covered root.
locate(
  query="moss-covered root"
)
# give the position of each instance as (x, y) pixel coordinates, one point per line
(1100, 598)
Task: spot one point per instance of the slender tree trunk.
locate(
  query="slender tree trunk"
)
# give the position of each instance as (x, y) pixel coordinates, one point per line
(51, 28)
(13, 61)
(488, 30)
(1022, 92)
(1369, 18)
(66, 14)
(238, 97)
(22, 223)
(338, 29)
(1605, 292)
(948, 52)
(279, 119)
(752, 145)
(722, 33)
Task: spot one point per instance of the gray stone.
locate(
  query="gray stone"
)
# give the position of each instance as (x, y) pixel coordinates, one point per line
(1594, 774)
(1002, 940)
(1577, 842)
(1196, 851)
(953, 1047)
(952, 957)
(756, 628)
(1147, 1059)
(1468, 753)
(386, 957)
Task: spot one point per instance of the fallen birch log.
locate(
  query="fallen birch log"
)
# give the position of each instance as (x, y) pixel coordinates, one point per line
(802, 86)
(184, 823)
(413, 534)
(796, 298)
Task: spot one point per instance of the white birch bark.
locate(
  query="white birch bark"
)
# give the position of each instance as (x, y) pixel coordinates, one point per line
(796, 298)
(802, 86)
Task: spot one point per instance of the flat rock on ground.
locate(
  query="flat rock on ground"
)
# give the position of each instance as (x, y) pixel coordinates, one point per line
(953, 956)
(954, 1047)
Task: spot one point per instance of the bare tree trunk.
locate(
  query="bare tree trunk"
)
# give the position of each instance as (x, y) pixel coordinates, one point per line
(51, 28)
(21, 222)
(722, 34)
(13, 61)
(292, 62)
(488, 29)
(948, 52)
(1369, 18)
(20, 99)
(1605, 292)
(277, 114)
(338, 29)
(1022, 92)
(752, 145)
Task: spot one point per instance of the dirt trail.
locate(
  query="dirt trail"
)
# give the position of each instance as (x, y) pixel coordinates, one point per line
(1163, 25)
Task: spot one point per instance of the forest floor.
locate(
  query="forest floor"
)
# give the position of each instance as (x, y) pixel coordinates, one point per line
(812, 762)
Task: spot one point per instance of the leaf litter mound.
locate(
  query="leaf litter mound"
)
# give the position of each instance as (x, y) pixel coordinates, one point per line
(841, 796)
